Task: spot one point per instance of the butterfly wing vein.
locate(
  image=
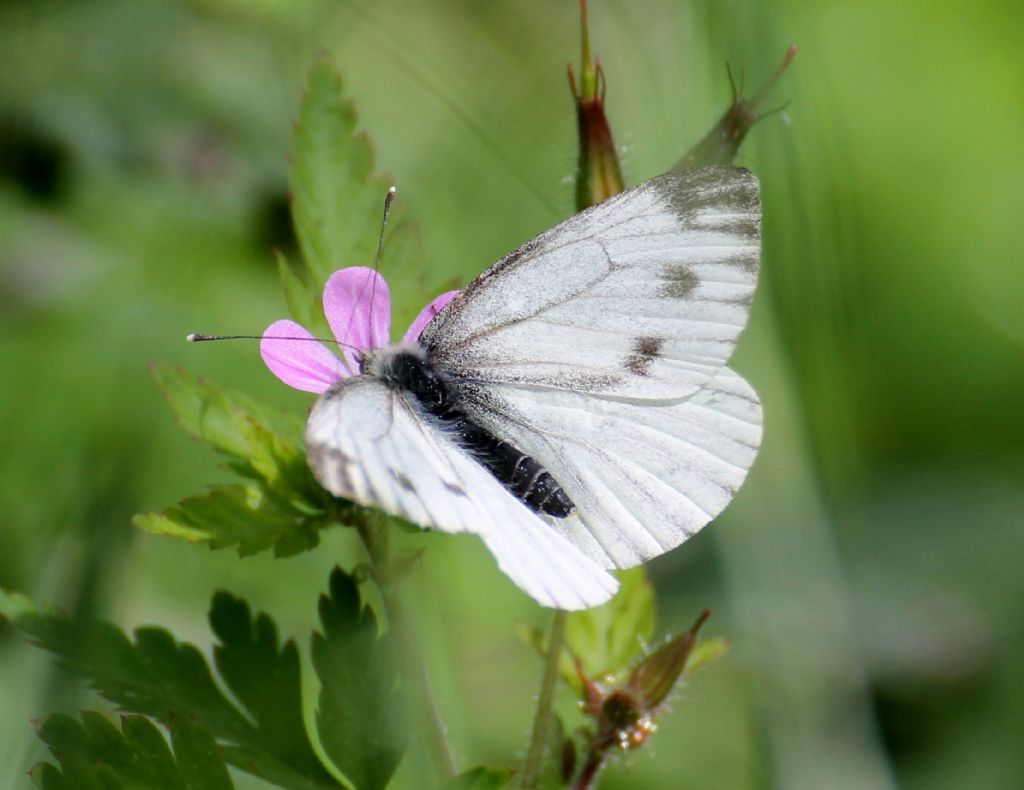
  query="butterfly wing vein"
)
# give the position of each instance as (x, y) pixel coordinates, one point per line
(370, 444)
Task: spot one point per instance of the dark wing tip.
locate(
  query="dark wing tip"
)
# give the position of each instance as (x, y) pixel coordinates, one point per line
(721, 188)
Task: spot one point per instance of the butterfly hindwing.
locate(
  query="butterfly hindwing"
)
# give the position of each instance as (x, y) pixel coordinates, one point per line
(644, 476)
(371, 444)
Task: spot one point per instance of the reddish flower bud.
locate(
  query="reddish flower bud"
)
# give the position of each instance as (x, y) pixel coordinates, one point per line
(655, 677)
(598, 173)
(624, 715)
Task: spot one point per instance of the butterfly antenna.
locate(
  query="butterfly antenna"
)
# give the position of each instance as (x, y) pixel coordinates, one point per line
(198, 337)
(388, 198)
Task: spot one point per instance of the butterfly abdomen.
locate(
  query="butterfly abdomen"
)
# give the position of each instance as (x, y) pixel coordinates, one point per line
(410, 372)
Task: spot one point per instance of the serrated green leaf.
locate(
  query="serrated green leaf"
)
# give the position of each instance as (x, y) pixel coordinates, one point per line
(94, 753)
(304, 300)
(170, 681)
(201, 764)
(264, 675)
(359, 718)
(337, 202)
(265, 440)
(481, 779)
(48, 777)
(238, 515)
(284, 506)
(607, 638)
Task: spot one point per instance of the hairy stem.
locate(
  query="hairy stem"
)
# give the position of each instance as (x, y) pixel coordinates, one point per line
(542, 717)
(595, 759)
(416, 667)
(375, 540)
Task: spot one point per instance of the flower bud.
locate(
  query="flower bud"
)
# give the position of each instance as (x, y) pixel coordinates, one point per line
(625, 714)
(654, 678)
(598, 173)
(719, 146)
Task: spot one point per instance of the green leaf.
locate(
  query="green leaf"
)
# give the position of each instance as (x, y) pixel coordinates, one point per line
(481, 779)
(171, 682)
(303, 297)
(96, 754)
(284, 506)
(200, 761)
(359, 719)
(47, 776)
(238, 515)
(337, 203)
(264, 677)
(607, 638)
(267, 443)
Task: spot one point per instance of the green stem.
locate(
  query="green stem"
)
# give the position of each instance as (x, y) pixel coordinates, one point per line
(416, 667)
(542, 717)
(375, 541)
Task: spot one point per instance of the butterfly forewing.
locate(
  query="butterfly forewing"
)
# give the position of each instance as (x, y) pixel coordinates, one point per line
(642, 296)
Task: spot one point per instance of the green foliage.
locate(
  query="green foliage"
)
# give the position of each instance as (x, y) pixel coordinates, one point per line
(265, 678)
(552, 767)
(607, 638)
(481, 779)
(265, 444)
(283, 506)
(337, 202)
(94, 753)
(359, 718)
(156, 676)
(236, 515)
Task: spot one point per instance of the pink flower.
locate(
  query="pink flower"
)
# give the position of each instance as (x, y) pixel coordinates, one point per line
(357, 304)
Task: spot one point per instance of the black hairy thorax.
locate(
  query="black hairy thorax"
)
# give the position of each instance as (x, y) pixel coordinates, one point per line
(408, 370)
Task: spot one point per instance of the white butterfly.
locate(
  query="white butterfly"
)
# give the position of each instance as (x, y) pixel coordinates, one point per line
(572, 406)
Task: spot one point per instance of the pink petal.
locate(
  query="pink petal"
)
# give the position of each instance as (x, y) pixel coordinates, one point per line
(427, 315)
(298, 359)
(357, 304)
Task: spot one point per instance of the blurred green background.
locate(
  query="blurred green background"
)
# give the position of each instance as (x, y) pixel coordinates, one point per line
(869, 573)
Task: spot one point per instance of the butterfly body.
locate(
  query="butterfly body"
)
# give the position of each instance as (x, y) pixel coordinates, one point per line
(572, 406)
(408, 369)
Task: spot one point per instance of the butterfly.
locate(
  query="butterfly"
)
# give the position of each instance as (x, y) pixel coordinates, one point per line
(572, 406)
